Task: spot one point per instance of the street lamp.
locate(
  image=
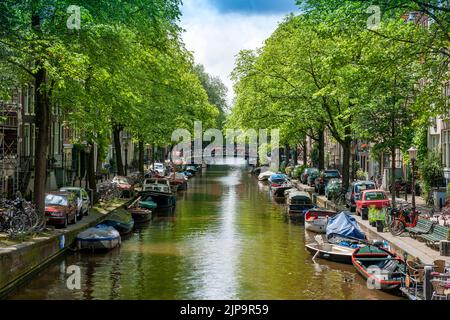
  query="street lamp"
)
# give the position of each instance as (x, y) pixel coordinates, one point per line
(413, 156)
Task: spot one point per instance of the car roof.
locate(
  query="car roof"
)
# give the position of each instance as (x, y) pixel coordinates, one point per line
(363, 182)
(70, 189)
(58, 193)
(374, 190)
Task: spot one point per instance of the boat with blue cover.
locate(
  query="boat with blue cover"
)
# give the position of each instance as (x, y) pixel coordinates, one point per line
(101, 237)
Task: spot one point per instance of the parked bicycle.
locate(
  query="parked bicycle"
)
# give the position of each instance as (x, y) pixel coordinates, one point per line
(108, 191)
(19, 217)
(400, 218)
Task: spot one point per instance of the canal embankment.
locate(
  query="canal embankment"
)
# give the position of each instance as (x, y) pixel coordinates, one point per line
(398, 244)
(22, 260)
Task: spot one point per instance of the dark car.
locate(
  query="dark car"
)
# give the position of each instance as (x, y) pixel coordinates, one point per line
(60, 208)
(354, 190)
(321, 182)
(312, 177)
(306, 173)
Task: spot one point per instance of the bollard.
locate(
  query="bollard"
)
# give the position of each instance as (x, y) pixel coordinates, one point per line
(427, 286)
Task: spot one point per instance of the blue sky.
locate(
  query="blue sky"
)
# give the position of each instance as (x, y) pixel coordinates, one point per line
(216, 30)
(254, 6)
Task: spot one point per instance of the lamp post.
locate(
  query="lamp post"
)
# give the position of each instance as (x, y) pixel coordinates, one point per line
(413, 156)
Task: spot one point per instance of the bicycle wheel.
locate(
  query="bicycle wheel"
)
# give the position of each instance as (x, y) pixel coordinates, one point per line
(396, 227)
(17, 225)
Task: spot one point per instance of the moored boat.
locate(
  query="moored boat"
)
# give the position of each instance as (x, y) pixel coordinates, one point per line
(147, 203)
(381, 268)
(316, 219)
(264, 176)
(278, 184)
(140, 215)
(331, 252)
(101, 237)
(121, 220)
(160, 192)
(298, 202)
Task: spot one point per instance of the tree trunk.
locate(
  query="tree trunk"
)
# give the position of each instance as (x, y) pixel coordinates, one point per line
(393, 160)
(305, 153)
(321, 149)
(346, 148)
(42, 109)
(116, 134)
(42, 123)
(141, 156)
(91, 172)
(295, 155)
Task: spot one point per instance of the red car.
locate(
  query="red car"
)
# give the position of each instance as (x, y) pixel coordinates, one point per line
(124, 184)
(60, 208)
(377, 199)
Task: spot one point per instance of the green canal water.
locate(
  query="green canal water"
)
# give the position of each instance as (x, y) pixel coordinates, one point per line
(226, 239)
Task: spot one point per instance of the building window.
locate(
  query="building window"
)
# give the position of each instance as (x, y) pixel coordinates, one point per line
(26, 133)
(434, 142)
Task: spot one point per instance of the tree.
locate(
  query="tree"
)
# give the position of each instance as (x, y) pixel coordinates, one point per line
(216, 90)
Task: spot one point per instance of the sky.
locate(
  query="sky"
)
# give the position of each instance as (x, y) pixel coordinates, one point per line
(216, 30)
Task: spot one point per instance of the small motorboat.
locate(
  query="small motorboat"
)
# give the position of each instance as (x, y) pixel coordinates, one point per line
(121, 220)
(160, 191)
(316, 219)
(101, 237)
(139, 214)
(298, 202)
(278, 184)
(381, 268)
(264, 176)
(178, 179)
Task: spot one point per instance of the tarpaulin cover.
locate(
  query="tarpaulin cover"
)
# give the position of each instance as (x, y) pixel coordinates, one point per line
(101, 232)
(344, 224)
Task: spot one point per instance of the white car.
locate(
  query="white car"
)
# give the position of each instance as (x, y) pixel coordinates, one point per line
(158, 167)
(82, 200)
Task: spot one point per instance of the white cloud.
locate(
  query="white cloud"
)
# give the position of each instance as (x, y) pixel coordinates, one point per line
(217, 38)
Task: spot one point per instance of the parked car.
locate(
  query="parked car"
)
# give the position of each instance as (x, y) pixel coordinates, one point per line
(124, 185)
(81, 198)
(159, 167)
(306, 173)
(322, 180)
(355, 189)
(333, 188)
(312, 177)
(377, 199)
(60, 208)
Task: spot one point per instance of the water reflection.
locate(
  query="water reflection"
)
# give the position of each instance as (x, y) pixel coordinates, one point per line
(226, 239)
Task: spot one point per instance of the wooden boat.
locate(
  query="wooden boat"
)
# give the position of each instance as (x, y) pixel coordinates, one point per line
(332, 252)
(381, 268)
(99, 238)
(121, 220)
(139, 214)
(278, 184)
(316, 219)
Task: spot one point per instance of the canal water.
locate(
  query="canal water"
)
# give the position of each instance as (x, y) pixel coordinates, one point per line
(226, 239)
